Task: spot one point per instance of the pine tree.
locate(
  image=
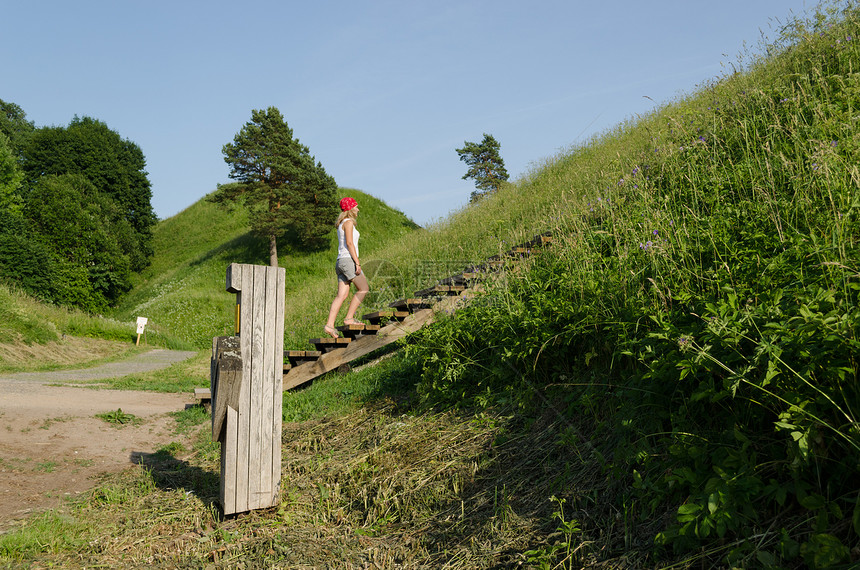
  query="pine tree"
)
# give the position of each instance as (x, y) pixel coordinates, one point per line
(485, 165)
(279, 182)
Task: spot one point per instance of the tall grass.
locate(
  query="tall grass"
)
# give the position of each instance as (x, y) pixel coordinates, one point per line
(701, 306)
(673, 384)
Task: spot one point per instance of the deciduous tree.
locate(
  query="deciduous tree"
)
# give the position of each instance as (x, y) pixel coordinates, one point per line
(10, 181)
(92, 235)
(14, 124)
(115, 166)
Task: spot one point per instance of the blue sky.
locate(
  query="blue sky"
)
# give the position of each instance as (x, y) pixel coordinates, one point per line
(382, 92)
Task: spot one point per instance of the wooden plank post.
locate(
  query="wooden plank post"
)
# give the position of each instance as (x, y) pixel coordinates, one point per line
(247, 389)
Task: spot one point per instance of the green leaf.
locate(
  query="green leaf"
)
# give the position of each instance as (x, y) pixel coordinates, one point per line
(713, 503)
(689, 509)
(766, 559)
(824, 551)
(812, 502)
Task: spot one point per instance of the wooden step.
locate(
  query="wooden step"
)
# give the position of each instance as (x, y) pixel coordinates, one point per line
(492, 265)
(519, 251)
(378, 317)
(475, 276)
(455, 280)
(541, 240)
(355, 331)
(441, 291)
(326, 344)
(203, 396)
(537, 241)
(298, 357)
(409, 305)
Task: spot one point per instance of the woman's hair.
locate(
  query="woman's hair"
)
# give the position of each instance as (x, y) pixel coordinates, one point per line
(351, 214)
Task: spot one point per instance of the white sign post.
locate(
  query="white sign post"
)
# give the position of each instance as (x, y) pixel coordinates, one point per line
(141, 326)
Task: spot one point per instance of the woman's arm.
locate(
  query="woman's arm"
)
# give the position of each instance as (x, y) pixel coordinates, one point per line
(348, 225)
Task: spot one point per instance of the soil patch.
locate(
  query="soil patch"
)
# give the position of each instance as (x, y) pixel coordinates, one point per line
(51, 444)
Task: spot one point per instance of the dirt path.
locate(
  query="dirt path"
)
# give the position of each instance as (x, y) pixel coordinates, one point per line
(51, 444)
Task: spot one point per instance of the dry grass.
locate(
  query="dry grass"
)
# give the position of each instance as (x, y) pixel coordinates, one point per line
(375, 488)
(66, 351)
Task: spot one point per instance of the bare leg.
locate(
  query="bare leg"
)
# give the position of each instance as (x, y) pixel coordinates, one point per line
(340, 297)
(363, 287)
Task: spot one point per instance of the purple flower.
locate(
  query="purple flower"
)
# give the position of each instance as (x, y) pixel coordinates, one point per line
(655, 232)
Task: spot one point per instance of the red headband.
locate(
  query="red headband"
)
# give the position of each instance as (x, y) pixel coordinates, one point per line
(347, 204)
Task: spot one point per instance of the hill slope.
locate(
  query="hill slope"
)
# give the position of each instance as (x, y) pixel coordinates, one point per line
(673, 384)
(183, 289)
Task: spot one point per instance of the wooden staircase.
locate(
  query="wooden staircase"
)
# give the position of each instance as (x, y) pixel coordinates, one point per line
(400, 319)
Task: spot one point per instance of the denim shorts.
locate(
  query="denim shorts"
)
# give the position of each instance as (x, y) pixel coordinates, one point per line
(345, 269)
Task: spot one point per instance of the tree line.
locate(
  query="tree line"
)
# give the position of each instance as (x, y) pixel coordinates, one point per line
(76, 216)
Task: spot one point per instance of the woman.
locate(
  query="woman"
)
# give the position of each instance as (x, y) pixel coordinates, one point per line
(347, 267)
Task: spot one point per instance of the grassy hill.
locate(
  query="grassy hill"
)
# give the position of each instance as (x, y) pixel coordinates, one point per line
(183, 291)
(674, 384)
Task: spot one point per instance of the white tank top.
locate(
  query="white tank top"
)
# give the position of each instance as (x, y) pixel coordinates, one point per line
(342, 251)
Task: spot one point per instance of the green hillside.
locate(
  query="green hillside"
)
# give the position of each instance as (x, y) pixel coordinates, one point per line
(672, 384)
(183, 291)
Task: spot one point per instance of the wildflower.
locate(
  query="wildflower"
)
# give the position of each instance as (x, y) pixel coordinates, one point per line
(702, 139)
(655, 232)
(834, 143)
(685, 343)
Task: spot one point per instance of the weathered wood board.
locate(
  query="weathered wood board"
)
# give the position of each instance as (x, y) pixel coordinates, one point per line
(247, 388)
